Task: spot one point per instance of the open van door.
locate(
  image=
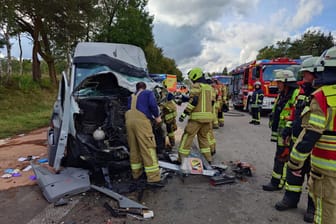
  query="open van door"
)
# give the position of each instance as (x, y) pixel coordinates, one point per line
(59, 127)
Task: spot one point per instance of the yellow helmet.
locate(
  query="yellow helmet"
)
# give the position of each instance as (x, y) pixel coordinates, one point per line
(195, 74)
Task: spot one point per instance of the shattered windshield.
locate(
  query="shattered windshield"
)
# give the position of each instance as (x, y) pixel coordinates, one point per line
(88, 69)
(268, 70)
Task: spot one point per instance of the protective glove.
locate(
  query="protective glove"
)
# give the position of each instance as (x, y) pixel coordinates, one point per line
(182, 117)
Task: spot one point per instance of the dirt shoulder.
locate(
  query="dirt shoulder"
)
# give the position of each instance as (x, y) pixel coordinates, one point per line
(22, 146)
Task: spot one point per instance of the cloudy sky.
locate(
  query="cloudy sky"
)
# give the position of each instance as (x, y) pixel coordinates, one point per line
(213, 34)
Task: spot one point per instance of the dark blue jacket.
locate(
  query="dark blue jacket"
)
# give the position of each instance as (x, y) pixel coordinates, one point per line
(257, 97)
(146, 104)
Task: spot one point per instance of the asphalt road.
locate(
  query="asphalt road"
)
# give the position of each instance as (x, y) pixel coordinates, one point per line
(193, 200)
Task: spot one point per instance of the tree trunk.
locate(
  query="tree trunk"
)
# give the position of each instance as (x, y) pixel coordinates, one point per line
(20, 57)
(52, 71)
(9, 55)
(36, 69)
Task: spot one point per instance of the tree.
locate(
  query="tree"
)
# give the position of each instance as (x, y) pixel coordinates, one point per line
(225, 72)
(131, 25)
(128, 22)
(311, 43)
(50, 27)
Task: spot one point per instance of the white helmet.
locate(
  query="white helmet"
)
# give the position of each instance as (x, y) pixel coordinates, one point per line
(285, 76)
(328, 61)
(257, 83)
(310, 65)
(329, 58)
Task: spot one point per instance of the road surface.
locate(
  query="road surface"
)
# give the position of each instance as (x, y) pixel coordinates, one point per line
(191, 201)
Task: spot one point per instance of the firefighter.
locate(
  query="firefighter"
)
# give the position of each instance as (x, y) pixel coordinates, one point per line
(318, 139)
(168, 113)
(288, 91)
(211, 136)
(199, 110)
(293, 128)
(220, 101)
(141, 140)
(256, 103)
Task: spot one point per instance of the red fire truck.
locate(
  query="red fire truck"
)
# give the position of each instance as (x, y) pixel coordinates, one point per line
(245, 75)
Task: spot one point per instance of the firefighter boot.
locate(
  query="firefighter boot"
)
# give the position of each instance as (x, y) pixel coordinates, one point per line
(252, 122)
(285, 204)
(309, 215)
(270, 187)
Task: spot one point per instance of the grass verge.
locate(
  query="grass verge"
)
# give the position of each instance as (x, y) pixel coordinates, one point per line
(25, 106)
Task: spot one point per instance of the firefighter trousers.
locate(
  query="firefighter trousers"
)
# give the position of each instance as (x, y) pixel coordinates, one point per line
(141, 141)
(280, 165)
(201, 130)
(171, 127)
(256, 114)
(322, 189)
(212, 141)
(294, 183)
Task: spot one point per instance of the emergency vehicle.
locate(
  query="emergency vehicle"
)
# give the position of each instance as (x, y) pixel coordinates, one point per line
(171, 80)
(245, 75)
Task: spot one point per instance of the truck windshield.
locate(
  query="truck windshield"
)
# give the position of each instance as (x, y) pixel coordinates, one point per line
(268, 70)
(225, 79)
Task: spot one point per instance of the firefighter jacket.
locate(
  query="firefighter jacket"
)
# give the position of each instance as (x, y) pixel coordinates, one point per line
(219, 91)
(257, 98)
(295, 120)
(199, 107)
(281, 111)
(168, 110)
(318, 137)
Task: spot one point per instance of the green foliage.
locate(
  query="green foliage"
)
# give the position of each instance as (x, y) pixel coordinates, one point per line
(132, 25)
(310, 43)
(21, 110)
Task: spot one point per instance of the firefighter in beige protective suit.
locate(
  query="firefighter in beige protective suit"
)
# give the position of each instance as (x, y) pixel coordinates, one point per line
(318, 139)
(199, 110)
(143, 108)
(168, 114)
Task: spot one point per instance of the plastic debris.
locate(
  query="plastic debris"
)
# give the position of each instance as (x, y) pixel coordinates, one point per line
(16, 175)
(43, 160)
(9, 170)
(28, 158)
(6, 176)
(27, 168)
(16, 171)
(32, 177)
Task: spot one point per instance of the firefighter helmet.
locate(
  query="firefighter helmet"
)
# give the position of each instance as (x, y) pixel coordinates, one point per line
(257, 83)
(284, 76)
(195, 74)
(328, 61)
(329, 58)
(309, 64)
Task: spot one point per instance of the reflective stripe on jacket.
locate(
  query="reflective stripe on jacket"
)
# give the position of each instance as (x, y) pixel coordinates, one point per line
(324, 151)
(202, 111)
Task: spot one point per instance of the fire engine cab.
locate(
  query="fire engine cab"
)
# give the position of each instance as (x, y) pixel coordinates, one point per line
(245, 75)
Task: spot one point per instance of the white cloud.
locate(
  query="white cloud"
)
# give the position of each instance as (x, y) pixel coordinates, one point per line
(306, 10)
(196, 12)
(214, 34)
